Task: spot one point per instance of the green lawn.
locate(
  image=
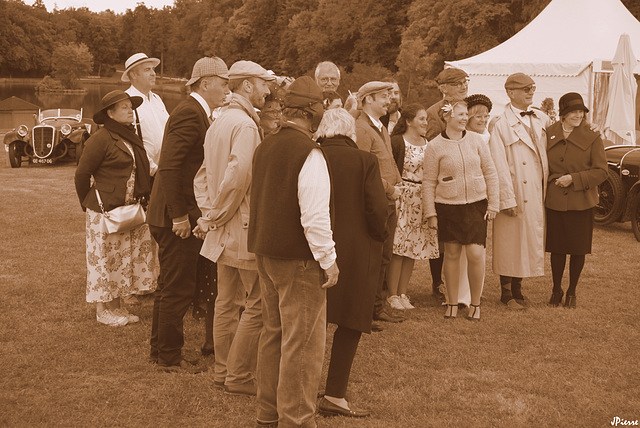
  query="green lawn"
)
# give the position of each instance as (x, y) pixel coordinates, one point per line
(544, 367)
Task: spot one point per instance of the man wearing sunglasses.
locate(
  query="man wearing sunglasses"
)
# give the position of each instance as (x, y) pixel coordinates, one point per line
(453, 84)
(518, 147)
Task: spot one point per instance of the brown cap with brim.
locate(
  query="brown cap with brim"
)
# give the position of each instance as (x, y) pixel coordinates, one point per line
(112, 98)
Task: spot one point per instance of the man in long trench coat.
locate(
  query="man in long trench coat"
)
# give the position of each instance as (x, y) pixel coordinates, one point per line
(518, 146)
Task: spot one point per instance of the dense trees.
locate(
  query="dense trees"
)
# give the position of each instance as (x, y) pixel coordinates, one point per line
(409, 39)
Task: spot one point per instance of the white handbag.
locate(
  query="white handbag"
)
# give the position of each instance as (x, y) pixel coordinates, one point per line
(121, 219)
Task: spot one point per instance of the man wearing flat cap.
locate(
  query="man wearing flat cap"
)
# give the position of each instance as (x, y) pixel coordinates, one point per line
(173, 210)
(290, 233)
(372, 136)
(222, 188)
(518, 147)
(151, 116)
(453, 83)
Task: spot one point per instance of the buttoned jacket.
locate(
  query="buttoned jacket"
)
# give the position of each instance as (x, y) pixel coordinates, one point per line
(582, 156)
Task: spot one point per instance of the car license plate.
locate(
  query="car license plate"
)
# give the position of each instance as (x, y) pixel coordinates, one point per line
(36, 160)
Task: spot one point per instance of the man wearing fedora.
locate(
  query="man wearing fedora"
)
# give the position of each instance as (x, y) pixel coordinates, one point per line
(173, 211)
(290, 234)
(151, 116)
(518, 147)
(222, 188)
(372, 136)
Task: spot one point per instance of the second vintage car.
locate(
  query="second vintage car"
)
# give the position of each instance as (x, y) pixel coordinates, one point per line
(620, 192)
(59, 134)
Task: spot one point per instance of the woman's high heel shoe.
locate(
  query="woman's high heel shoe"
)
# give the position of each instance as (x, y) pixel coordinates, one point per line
(451, 312)
(556, 298)
(570, 302)
(474, 313)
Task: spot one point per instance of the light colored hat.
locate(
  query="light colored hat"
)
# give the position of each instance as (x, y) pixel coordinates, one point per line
(208, 66)
(135, 60)
(371, 88)
(247, 69)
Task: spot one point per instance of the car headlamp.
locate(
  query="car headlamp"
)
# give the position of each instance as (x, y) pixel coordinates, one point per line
(65, 129)
(23, 130)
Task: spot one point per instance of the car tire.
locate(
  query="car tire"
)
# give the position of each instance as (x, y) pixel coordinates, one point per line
(611, 202)
(15, 155)
(634, 213)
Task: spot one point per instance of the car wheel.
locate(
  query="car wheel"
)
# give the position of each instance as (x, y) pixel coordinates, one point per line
(15, 155)
(611, 204)
(635, 216)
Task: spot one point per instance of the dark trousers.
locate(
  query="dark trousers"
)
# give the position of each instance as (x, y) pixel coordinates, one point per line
(343, 351)
(387, 252)
(176, 287)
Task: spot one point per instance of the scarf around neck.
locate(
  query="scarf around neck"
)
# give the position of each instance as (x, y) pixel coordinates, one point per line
(143, 178)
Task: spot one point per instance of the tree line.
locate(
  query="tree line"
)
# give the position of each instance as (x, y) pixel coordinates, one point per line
(408, 39)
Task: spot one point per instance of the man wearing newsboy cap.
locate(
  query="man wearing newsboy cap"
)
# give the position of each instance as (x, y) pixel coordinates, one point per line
(222, 187)
(372, 136)
(453, 83)
(518, 147)
(173, 210)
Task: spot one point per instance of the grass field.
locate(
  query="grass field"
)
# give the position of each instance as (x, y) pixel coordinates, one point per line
(546, 367)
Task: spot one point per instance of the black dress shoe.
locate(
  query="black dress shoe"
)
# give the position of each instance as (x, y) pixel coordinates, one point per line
(184, 367)
(570, 302)
(556, 298)
(327, 408)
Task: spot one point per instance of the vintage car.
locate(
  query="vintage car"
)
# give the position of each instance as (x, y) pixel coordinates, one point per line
(620, 193)
(58, 135)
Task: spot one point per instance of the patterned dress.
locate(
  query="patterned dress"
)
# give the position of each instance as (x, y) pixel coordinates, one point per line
(413, 238)
(120, 264)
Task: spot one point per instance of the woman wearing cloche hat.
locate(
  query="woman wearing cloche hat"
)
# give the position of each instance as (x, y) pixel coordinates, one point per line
(577, 165)
(122, 263)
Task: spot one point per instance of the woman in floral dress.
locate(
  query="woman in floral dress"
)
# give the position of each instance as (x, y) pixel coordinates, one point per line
(413, 240)
(125, 263)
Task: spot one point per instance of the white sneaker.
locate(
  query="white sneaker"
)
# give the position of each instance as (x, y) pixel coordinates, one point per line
(107, 317)
(125, 313)
(404, 299)
(395, 303)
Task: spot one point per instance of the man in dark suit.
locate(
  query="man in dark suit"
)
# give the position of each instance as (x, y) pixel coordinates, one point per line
(173, 210)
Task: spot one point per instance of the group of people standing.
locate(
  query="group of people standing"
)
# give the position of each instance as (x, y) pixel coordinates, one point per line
(285, 211)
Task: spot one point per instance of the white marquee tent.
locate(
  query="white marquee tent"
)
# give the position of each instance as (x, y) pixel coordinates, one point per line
(568, 47)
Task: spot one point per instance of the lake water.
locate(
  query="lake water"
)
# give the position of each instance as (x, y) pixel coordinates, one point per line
(89, 101)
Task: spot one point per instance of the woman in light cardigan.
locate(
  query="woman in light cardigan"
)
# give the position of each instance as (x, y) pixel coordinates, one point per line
(460, 187)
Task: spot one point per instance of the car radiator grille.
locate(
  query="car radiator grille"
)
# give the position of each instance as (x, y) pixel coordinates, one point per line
(42, 140)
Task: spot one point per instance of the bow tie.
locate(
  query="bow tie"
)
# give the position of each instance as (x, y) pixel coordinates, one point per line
(527, 113)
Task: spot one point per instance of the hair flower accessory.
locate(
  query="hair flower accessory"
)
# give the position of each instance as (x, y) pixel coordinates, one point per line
(447, 108)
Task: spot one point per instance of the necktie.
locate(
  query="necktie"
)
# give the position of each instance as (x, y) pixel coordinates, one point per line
(527, 113)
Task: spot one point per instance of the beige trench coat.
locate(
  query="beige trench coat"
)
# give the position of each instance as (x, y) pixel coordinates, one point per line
(521, 162)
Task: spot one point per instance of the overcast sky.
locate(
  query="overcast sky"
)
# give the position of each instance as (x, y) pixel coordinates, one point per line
(118, 6)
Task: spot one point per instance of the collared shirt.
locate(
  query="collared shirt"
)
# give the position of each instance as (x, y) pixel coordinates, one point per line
(153, 117)
(526, 119)
(376, 122)
(203, 103)
(314, 192)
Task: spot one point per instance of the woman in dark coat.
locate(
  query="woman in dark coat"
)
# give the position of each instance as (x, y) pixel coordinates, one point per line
(358, 223)
(124, 263)
(577, 165)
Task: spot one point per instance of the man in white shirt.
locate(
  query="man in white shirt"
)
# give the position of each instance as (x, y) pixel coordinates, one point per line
(151, 116)
(290, 233)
